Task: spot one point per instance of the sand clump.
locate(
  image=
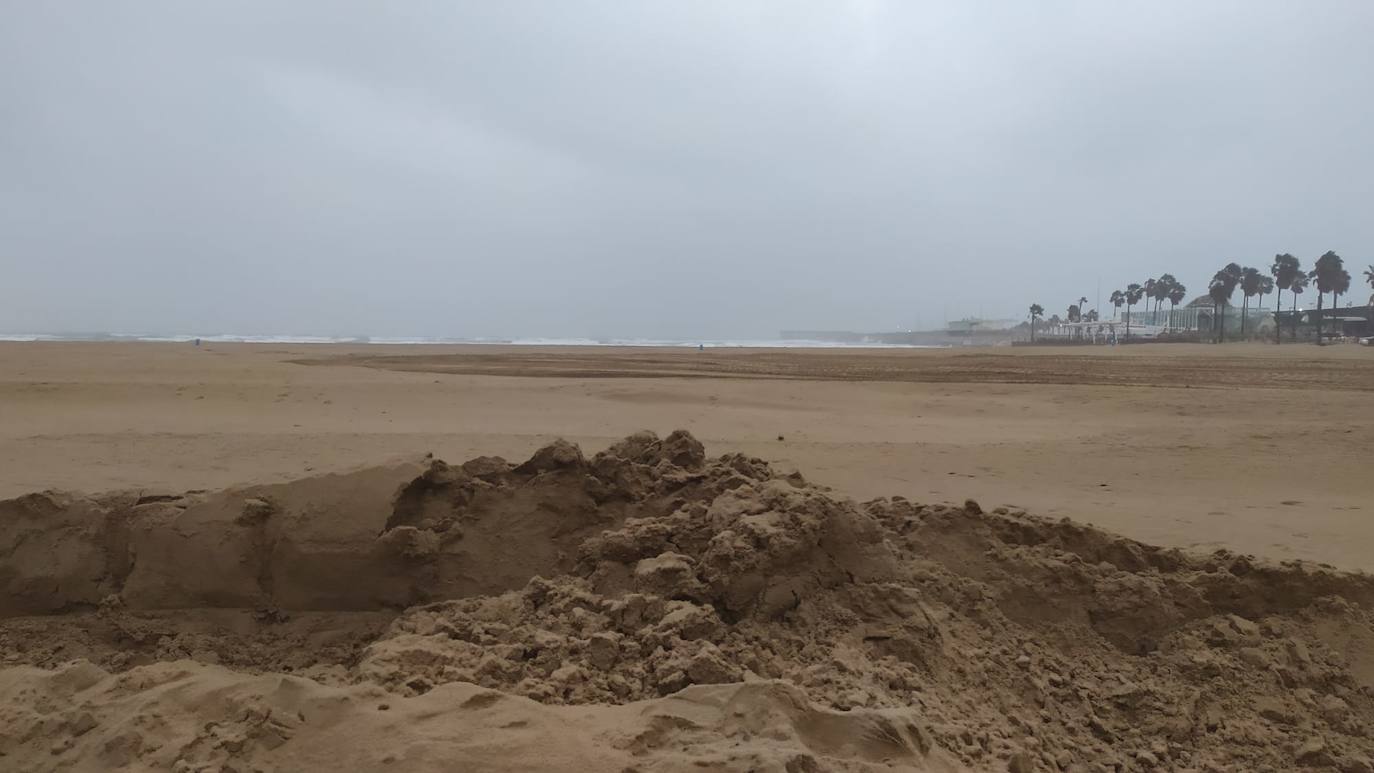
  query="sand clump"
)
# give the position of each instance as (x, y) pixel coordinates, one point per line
(651, 608)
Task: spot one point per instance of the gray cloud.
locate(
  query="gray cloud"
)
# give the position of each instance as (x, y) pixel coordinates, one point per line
(655, 169)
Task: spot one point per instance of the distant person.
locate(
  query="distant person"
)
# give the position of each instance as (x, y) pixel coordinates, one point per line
(197, 342)
(701, 347)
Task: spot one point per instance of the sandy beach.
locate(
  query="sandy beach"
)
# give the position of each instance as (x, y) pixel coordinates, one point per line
(243, 557)
(1260, 449)
(677, 387)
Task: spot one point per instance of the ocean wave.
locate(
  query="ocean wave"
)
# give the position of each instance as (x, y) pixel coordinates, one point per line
(28, 337)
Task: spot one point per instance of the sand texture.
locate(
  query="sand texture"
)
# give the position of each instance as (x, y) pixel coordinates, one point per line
(648, 608)
(1256, 448)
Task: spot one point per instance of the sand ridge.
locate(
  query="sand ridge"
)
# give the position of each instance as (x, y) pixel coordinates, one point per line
(651, 608)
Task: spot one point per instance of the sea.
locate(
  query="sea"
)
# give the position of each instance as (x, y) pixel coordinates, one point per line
(714, 343)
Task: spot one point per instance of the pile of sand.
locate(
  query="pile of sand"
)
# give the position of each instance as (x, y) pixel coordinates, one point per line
(652, 609)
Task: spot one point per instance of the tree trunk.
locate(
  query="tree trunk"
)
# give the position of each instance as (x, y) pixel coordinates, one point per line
(1295, 317)
(1278, 323)
(1032, 329)
(1128, 321)
(1320, 322)
(1221, 328)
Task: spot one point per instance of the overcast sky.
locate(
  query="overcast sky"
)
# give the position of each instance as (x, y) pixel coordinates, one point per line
(661, 169)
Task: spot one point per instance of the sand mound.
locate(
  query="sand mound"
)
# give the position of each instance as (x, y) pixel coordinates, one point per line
(652, 609)
(187, 716)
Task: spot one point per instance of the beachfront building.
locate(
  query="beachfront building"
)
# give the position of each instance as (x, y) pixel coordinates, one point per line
(1098, 332)
(1198, 317)
(1339, 322)
(1192, 321)
(1193, 316)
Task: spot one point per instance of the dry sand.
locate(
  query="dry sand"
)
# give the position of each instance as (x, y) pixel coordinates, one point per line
(1261, 449)
(650, 609)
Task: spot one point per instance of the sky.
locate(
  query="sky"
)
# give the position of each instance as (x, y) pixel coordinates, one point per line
(661, 169)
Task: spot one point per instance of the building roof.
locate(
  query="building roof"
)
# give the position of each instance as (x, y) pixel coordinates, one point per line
(1204, 301)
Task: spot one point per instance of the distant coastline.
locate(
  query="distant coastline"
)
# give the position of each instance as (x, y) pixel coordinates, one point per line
(734, 343)
(906, 338)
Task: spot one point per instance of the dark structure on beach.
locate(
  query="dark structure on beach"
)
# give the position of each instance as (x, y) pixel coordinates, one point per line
(1342, 321)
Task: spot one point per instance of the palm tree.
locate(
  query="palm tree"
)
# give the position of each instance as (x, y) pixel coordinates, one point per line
(1250, 284)
(1369, 277)
(1133, 295)
(1035, 311)
(1326, 276)
(1118, 298)
(1339, 286)
(1285, 269)
(1296, 287)
(1177, 292)
(1163, 286)
(1221, 288)
(1219, 294)
(1266, 286)
(1233, 273)
(1147, 288)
